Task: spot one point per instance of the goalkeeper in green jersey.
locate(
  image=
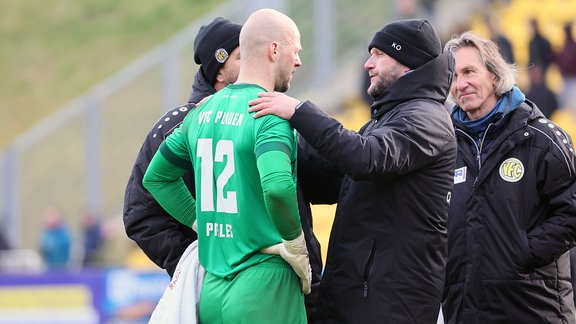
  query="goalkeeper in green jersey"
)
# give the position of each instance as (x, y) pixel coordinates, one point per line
(245, 186)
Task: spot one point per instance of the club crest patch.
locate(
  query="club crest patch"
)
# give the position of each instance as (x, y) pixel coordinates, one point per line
(511, 170)
(221, 55)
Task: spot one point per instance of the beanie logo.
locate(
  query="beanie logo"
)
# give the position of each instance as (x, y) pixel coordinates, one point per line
(221, 55)
(396, 46)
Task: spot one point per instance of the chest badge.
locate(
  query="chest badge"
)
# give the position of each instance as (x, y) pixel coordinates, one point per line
(460, 175)
(511, 170)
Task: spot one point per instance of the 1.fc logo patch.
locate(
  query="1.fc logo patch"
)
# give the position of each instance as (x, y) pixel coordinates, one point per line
(511, 170)
(221, 55)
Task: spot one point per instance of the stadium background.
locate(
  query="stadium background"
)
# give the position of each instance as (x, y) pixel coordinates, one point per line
(82, 83)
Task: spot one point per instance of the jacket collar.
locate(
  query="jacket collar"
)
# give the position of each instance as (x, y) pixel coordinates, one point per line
(200, 89)
(510, 123)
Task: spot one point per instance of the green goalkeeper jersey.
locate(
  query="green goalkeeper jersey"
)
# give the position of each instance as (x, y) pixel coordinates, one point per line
(244, 176)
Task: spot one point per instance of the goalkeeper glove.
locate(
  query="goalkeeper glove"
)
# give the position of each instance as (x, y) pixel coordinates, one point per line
(296, 254)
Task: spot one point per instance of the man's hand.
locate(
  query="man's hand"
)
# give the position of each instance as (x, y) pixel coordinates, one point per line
(275, 103)
(296, 254)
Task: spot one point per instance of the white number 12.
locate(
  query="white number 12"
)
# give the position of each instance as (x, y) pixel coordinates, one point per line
(224, 203)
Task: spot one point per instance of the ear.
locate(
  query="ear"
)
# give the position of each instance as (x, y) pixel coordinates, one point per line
(219, 76)
(495, 80)
(403, 67)
(220, 81)
(273, 50)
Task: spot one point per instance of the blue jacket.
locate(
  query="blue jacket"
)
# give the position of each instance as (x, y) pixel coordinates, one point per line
(55, 245)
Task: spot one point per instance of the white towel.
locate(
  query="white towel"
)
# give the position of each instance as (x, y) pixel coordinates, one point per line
(179, 303)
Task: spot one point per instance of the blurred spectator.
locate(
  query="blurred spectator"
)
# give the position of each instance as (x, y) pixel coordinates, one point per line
(429, 7)
(540, 93)
(500, 39)
(116, 246)
(539, 48)
(92, 237)
(411, 9)
(566, 61)
(4, 242)
(55, 239)
(406, 9)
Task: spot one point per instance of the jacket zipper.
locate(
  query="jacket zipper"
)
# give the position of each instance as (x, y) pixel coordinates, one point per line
(478, 151)
(368, 267)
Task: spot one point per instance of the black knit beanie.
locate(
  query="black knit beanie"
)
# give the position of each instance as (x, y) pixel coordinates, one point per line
(213, 45)
(412, 42)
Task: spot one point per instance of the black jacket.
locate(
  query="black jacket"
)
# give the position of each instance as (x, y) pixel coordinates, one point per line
(163, 239)
(160, 236)
(511, 223)
(387, 251)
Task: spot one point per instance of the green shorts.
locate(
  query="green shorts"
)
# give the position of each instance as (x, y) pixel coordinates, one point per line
(268, 292)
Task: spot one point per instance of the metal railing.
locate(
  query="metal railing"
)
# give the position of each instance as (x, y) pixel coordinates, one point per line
(81, 156)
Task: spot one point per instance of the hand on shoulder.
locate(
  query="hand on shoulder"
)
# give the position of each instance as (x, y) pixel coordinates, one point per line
(275, 103)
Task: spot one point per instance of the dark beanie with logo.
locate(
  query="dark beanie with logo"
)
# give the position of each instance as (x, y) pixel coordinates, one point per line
(213, 45)
(412, 42)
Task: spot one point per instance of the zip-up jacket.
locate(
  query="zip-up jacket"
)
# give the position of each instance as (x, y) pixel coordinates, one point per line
(387, 251)
(511, 223)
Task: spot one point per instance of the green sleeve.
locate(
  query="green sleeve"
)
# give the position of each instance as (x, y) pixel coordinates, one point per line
(163, 179)
(280, 192)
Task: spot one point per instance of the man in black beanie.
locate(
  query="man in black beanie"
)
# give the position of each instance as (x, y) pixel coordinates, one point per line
(215, 44)
(157, 233)
(162, 238)
(411, 42)
(387, 251)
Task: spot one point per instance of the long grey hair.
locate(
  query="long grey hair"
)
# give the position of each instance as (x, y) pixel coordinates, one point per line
(505, 73)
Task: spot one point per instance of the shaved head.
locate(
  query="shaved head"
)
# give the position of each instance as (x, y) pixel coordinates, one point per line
(264, 26)
(269, 46)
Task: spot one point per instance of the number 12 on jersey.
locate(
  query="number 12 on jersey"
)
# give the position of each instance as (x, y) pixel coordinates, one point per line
(224, 203)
